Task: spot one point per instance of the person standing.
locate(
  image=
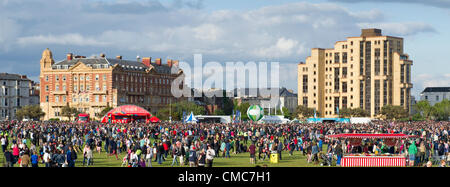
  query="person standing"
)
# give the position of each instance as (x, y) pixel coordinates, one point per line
(412, 150)
(34, 160)
(192, 157)
(210, 153)
(89, 156)
(4, 146)
(252, 150)
(47, 158)
(149, 156)
(8, 158)
(202, 158)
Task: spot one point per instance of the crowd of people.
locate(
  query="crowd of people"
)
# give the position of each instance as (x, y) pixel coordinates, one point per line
(61, 144)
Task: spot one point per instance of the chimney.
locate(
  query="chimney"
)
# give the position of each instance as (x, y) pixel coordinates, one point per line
(119, 57)
(146, 61)
(158, 61)
(69, 56)
(169, 63)
(102, 55)
(138, 58)
(175, 62)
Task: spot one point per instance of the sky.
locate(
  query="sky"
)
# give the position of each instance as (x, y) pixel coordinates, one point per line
(281, 31)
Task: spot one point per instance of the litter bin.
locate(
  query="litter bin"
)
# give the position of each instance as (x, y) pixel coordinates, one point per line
(274, 158)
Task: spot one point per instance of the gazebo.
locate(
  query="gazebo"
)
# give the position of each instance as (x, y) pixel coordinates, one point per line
(127, 114)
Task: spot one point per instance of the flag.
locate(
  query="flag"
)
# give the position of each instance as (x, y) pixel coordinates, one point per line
(184, 116)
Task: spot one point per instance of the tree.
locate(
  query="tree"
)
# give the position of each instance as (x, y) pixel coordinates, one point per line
(176, 110)
(304, 111)
(393, 112)
(287, 114)
(30, 112)
(424, 108)
(353, 112)
(69, 112)
(219, 112)
(243, 107)
(105, 111)
(228, 104)
(441, 110)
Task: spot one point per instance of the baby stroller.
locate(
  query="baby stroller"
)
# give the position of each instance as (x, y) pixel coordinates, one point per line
(326, 161)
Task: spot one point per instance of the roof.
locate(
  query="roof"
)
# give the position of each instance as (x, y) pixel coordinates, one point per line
(436, 89)
(8, 76)
(127, 64)
(249, 92)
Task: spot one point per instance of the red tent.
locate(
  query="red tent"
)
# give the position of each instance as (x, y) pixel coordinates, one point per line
(154, 119)
(126, 114)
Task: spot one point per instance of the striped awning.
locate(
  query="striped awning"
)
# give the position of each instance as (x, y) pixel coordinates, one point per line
(371, 136)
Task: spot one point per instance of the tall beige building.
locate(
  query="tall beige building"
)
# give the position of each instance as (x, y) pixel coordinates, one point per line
(366, 72)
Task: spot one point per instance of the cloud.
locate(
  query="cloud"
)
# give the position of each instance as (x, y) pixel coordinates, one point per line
(401, 29)
(281, 33)
(421, 81)
(434, 3)
(65, 39)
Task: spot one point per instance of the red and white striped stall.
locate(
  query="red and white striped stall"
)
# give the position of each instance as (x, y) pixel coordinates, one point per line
(372, 161)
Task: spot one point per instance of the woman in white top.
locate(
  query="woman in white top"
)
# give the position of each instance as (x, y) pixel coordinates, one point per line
(149, 156)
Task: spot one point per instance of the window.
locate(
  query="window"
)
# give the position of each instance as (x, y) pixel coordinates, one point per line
(64, 98)
(75, 78)
(437, 98)
(96, 77)
(104, 87)
(81, 78)
(104, 98)
(104, 77)
(57, 88)
(46, 88)
(46, 98)
(75, 88)
(57, 99)
(64, 87)
(57, 77)
(96, 98)
(46, 79)
(64, 78)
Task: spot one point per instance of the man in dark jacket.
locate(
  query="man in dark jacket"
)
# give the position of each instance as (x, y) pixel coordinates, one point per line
(8, 158)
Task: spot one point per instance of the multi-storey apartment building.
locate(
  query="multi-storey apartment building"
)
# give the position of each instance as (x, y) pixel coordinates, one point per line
(91, 84)
(14, 93)
(366, 72)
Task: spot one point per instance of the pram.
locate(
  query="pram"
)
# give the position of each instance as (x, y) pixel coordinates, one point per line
(326, 161)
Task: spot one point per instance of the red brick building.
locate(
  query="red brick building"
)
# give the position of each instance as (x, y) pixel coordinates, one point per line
(91, 84)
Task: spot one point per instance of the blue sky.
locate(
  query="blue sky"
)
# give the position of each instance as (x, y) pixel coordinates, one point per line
(233, 30)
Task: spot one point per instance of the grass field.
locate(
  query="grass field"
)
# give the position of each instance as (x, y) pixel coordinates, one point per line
(236, 160)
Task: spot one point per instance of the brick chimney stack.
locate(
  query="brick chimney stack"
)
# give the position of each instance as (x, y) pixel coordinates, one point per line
(158, 61)
(119, 57)
(175, 63)
(69, 56)
(146, 61)
(169, 62)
